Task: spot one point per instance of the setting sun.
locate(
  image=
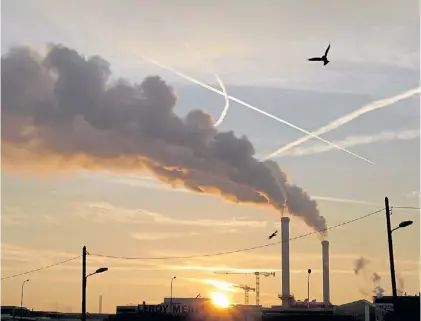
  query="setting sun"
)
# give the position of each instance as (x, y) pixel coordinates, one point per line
(220, 299)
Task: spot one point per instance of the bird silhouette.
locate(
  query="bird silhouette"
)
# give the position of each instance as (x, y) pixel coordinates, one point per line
(323, 58)
(273, 235)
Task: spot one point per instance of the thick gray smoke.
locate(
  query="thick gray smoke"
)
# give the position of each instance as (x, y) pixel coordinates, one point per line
(61, 111)
(360, 264)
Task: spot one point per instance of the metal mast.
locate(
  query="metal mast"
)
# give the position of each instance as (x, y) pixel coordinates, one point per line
(257, 274)
(246, 289)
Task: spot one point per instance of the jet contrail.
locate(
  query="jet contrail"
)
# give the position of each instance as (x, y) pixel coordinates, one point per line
(197, 82)
(344, 200)
(227, 102)
(347, 118)
(350, 141)
(221, 84)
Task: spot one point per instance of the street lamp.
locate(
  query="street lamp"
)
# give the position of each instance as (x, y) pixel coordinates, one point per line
(21, 297)
(85, 279)
(402, 225)
(308, 288)
(100, 270)
(174, 277)
(390, 241)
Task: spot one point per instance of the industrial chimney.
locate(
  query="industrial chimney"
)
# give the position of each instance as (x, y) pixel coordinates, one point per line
(100, 304)
(325, 261)
(285, 260)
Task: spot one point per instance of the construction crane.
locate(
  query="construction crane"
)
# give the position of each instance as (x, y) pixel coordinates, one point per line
(246, 289)
(257, 274)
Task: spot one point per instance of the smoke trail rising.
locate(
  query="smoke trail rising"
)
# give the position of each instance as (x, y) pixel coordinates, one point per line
(378, 104)
(401, 285)
(227, 101)
(61, 112)
(360, 264)
(378, 289)
(197, 82)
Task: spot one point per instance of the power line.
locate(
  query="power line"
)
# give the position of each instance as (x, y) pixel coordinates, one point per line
(41, 268)
(240, 250)
(210, 254)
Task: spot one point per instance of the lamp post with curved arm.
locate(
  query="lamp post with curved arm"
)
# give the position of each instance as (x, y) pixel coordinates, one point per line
(84, 280)
(21, 296)
(308, 288)
(174, 277)
(390, 243)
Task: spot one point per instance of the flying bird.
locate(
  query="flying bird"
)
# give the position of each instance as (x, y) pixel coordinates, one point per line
(323, 58)
(273, 235)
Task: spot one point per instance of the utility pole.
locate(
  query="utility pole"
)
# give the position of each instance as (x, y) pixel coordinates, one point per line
(84, 252)
(389, 238)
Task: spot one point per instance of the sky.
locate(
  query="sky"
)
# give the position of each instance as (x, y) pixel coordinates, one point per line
(259, 51)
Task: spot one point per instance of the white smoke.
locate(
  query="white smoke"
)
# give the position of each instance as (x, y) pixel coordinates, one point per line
(347, 118)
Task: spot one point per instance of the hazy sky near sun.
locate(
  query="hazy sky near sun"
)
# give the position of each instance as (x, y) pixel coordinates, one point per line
(261, 45)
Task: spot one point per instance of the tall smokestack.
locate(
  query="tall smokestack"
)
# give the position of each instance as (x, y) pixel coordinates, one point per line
(285, 260)
(325, 260)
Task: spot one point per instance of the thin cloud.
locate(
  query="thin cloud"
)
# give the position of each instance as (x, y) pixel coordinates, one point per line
(156, 236)
(105, 212)
(51, 220)
(160, 236)
(356, 140)
(151, 183)
(221, 285)
(413, 194)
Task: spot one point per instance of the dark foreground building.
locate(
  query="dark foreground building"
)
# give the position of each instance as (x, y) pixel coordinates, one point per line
(405, 308)
(201, 310)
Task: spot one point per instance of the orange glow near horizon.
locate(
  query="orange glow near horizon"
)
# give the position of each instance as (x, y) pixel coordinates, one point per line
(220, 299)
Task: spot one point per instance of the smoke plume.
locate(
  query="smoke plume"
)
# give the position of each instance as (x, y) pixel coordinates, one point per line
(376, 278)
(401, 285)
(360, 264)
(378, 290)
(62, 111)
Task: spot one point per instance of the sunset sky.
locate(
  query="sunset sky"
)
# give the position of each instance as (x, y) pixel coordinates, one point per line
(260, 51)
